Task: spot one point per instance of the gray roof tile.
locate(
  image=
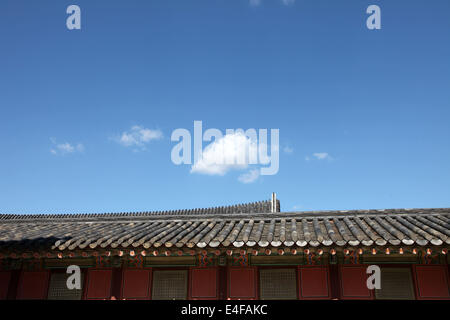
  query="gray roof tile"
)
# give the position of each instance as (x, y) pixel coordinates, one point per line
(234, 226)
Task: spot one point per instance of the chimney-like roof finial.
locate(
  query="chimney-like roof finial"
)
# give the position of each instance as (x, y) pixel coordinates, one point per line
(274, 203)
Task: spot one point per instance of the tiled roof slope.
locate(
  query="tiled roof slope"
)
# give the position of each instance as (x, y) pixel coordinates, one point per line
(233, 226)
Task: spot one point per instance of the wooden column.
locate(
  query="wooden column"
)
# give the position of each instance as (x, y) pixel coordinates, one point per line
(13, 285)
(5, 280)
(116, 282)
(334, 281)
(223, 280)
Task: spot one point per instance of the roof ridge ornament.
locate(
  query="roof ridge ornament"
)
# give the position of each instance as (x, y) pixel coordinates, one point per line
(274, 203)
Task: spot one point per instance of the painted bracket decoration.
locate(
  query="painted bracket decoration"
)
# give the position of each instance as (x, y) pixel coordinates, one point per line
(205, 260)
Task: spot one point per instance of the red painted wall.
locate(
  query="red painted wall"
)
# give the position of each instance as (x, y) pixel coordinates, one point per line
(242, 283)
(431, 282)
(5, 278)
(98, 284)
(203, 283)
(136, 284)
(33, 285)
(314, 282)
(353, 280)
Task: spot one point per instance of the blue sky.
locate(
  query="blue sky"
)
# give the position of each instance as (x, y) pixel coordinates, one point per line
(363, 114)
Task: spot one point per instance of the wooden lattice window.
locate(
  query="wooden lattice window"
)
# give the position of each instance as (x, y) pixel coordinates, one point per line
(58, 290)
(396, 283)
(277, 284)
(169, 284)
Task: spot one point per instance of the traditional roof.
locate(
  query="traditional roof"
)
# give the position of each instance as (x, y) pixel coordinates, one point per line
(251, 225)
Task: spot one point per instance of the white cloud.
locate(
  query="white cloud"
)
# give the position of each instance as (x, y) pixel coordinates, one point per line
(319, 156)
(254, 3)
(138, 136)
(65, 148)
(226, 153)
(288, 150)
(249, 177)
(288, 2)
